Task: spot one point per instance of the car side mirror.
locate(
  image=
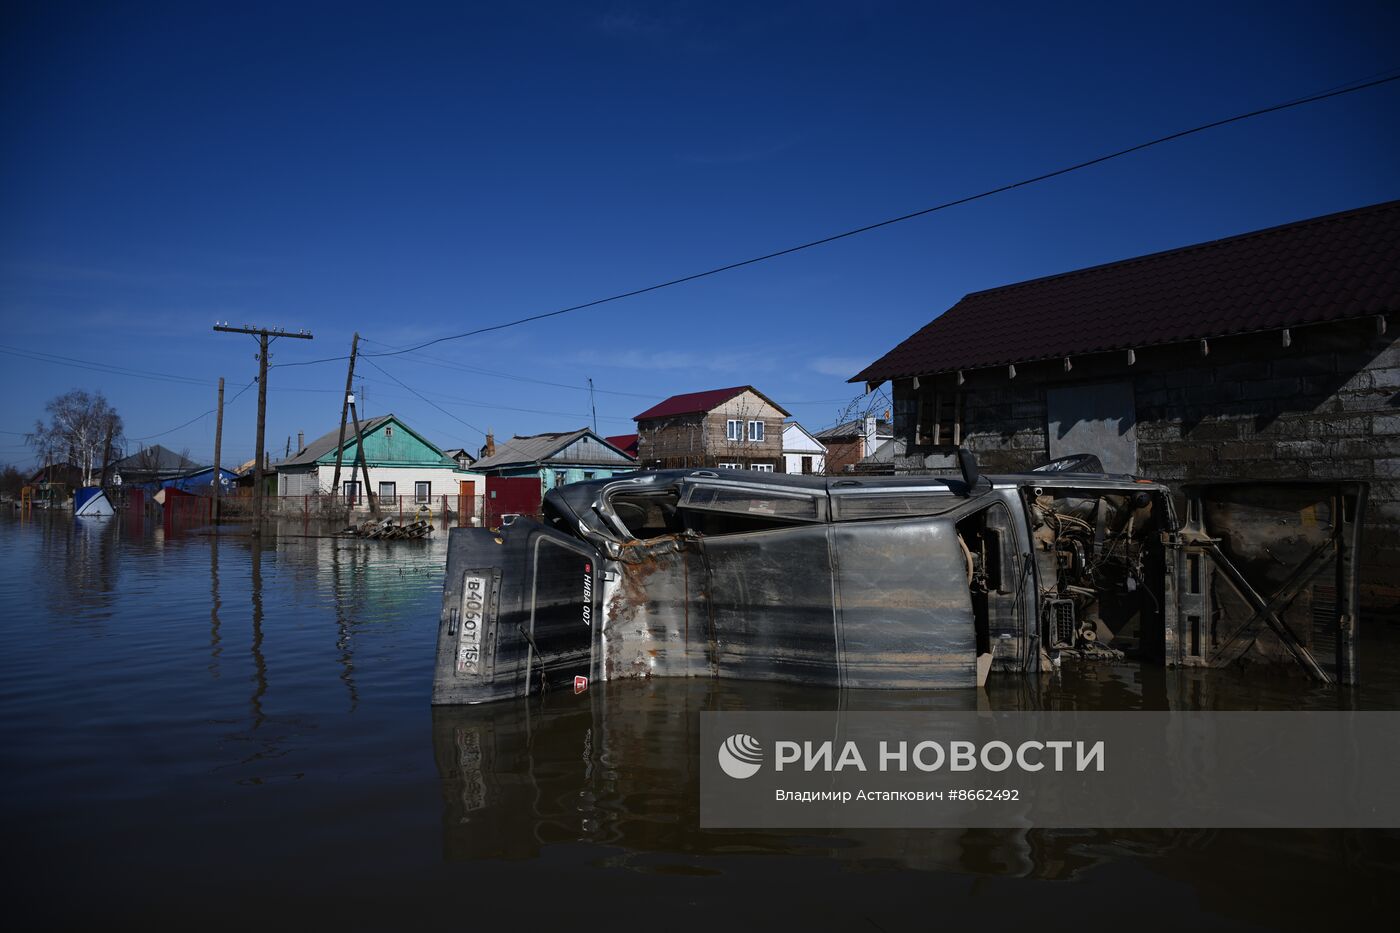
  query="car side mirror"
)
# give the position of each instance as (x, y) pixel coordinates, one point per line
(967, 466)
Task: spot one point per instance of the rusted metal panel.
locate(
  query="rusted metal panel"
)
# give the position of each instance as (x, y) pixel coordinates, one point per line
(771, 607)
(905, 616)
(903, 583)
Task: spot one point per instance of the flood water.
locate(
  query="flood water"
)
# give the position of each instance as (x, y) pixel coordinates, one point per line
(203, 732)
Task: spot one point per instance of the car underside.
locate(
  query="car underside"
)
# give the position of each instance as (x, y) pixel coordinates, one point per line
(895, 582)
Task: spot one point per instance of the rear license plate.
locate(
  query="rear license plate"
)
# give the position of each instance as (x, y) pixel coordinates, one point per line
(474, 595)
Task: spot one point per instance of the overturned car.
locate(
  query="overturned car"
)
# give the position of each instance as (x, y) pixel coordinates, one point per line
(896, 582)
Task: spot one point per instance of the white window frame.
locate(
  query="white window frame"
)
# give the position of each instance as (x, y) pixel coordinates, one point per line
(351, 491)
(756, 431)
(393, 492)
(761, 467)
(731, 466)
(419, 496)
(734, 429)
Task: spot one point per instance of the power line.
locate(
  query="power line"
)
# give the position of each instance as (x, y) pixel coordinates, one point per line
(196, 418)
(54, 359)
(1336, 91)
(421, 396)
(462, 367)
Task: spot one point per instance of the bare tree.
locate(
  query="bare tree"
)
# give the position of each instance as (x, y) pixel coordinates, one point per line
(863, 406)
(11, 480)
(739, 448)
(82, 428)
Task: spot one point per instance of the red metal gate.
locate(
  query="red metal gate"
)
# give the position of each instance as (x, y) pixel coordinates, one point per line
(519, 495)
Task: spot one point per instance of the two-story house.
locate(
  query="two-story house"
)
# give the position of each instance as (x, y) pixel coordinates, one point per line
(739, 428)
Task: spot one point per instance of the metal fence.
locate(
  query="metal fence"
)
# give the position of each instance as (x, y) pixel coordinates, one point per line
(462, 511)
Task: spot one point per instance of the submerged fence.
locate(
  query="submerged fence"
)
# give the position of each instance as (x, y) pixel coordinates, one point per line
(463, 511)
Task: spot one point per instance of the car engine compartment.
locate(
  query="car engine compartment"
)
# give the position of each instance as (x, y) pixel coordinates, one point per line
(1101, 559)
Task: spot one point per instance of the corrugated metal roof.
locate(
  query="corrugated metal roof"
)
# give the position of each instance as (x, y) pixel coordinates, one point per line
(326, 442)
(853, 429)
(627, 443)
(1309, 272)
(693, 402)
(536, 448)
(154, 457)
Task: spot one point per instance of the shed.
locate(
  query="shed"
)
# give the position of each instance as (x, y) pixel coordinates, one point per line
(557, 458)
(1267, 355)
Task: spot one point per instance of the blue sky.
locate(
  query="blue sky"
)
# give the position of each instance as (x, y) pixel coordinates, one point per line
(412, 170)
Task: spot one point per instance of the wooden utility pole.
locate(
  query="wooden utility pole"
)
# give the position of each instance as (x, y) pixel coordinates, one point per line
(262, 333)
(218, 447)
(364, 465)
(106, 452)
(344, 410)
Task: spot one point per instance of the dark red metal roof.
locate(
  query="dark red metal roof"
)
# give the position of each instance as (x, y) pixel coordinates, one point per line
(1309, 272)
(627, 443)
(693, 402)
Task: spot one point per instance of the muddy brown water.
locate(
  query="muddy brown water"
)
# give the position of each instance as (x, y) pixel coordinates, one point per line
(205, 733)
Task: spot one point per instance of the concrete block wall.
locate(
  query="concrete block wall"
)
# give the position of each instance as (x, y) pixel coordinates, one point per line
(1325, 407)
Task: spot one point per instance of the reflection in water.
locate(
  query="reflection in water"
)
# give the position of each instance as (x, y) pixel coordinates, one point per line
(255, 704)
(215, 603)
(167, 732)
(616, 768)
(343, 622)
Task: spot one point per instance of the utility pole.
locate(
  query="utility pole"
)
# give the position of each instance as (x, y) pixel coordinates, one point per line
(262, 333)
(106, 451)
(364, 465)
(345, 410)
(218, 447)
(592, 405)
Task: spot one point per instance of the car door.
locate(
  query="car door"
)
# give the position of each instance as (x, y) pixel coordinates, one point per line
(1269, 575)
(906, 615)
(768, 582)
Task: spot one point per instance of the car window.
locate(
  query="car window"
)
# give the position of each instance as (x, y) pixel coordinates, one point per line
(649, 514)
(855, 506)
(716, 509)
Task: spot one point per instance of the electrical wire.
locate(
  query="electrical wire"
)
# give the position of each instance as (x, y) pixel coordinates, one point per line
(424, 398)
(95, 366)
(462, 367)
(206, 414)
(1336, 91)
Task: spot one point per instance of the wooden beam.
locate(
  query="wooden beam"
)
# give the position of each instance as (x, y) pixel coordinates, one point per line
(957, 418)
(1011, 371)
(1287, 337)
(1380, 323)
(1132, 357)
(1068, 365)
(937, 416)
(1205, 347)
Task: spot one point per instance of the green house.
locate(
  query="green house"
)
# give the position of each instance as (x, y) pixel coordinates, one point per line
(557, 458)
(402, 465)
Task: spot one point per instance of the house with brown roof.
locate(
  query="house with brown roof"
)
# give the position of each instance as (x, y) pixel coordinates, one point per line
(850, 442)
(738, 428)
(1268, 355)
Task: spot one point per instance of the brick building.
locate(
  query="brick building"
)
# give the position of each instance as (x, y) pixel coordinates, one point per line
(852, 441)
(1270, 355)
(739, 428)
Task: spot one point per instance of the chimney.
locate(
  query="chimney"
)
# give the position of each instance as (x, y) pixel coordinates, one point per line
(301, 441)
(489, 448)
(869, 433)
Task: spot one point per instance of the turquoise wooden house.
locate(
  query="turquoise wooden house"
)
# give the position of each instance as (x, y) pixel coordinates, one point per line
(557, 458)
(401, 463)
